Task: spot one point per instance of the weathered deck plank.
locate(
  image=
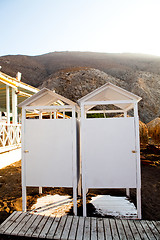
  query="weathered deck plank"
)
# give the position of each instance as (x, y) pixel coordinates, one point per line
(78, 228)
(27, 225)
(100, 229)
(140, 229)
(93, 228)
(120, 229)
(1, 226)
(134, 230)
(53, 228)
(46, 228)
(127, 229)
(73, 231)
(107, 229)
(15, 224)
(147, 230)
(153, 229)
(67, 228)
(87, 229)
(60, 228)
(21, 224)
(40, 227)
(34, 226)
(157, 224)
(10, 221)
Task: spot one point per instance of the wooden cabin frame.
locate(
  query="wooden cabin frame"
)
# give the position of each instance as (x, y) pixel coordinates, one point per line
(93, 173)
(55, 163)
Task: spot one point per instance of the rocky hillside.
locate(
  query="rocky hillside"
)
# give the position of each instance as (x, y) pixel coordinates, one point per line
(76, 83)
(74, 74)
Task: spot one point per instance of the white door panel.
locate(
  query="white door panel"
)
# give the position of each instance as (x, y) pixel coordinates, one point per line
(49, 160)
(107, 149)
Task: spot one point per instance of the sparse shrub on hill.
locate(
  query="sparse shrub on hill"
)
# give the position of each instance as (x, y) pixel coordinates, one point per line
(143, 131)
(154, 130)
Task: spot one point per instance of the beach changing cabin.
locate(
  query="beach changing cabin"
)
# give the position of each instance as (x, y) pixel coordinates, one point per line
(110, 148)
(49, 143)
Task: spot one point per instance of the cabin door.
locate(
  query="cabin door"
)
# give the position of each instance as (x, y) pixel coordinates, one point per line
(108, 152)
(49, 156)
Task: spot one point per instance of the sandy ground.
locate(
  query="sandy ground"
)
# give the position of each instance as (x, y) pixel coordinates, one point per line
(10, 191)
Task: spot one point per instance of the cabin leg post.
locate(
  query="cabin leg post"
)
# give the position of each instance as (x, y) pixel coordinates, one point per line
(139, 203)
(23, 170)
(84, 203)
(40, 190)
(138, 161)
(128, 192)
(75, 201)
(80, 186)
(24, 199)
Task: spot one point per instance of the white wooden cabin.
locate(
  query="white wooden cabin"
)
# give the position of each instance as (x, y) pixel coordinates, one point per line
(49, 146)
(110, 148)
(12, 92)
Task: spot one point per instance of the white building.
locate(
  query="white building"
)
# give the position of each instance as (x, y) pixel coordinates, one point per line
(12, 92)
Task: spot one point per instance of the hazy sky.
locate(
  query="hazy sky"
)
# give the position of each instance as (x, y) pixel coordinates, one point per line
(34, 27)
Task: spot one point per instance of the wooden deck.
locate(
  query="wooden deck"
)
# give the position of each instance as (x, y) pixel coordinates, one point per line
(73, 227)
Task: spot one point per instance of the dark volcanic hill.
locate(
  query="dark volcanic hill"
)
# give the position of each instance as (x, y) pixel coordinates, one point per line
(74, 74)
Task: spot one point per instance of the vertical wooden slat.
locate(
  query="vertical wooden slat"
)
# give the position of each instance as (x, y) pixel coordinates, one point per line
(8, 104)
(14, 106)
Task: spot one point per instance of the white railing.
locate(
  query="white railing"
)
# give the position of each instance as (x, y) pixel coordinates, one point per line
(10, 134)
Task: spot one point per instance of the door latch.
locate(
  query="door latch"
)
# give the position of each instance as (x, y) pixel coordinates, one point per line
(26, 151)
(133, 151)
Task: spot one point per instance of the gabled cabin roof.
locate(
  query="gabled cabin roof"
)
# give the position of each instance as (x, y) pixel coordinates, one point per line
(110, 92)
(46, 97)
